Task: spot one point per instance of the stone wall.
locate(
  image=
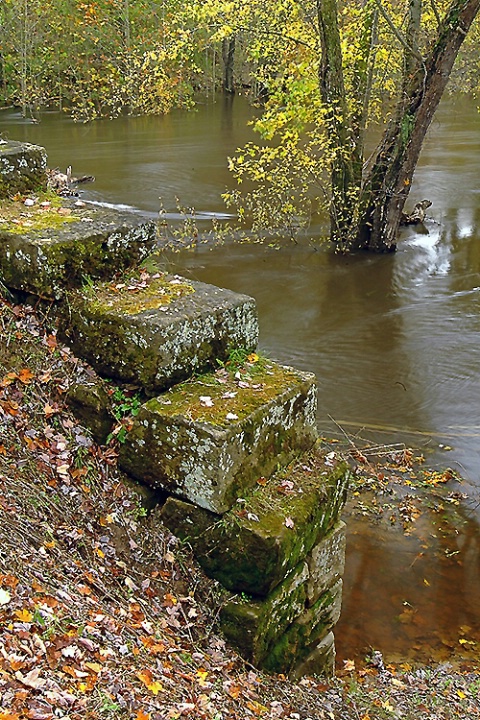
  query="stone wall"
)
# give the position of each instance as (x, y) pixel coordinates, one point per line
(227, 436)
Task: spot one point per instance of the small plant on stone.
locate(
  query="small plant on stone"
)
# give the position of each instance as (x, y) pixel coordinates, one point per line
(125, 404)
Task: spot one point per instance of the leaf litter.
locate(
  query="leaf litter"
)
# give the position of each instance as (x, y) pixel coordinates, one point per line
(103, 615)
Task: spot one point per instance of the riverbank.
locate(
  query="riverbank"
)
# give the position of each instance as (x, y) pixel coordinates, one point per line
(103, 618)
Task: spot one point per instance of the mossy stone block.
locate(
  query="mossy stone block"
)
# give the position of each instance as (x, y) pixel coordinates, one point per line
(326, 562)
(92, 242)
(258, 542)
(91, 404)
(306, 632)
(157, 347)
(187, 443)
(255, 627)
(320, 661)
(22, 168)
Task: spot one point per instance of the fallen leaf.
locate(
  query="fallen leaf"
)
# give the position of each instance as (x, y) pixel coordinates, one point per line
(94, 667)
(25, 376)
(147, 678)
(4, 597)
(142, 715)
(31, 679)
(206, 400)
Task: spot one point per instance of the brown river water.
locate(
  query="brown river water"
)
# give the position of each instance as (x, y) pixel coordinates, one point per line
(394, 341)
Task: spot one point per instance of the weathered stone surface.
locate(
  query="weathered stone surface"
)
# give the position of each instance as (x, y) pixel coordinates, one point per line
(213, 459)
(159, 347)
(93, 242)
(305, 632)
(91, 405)
(255, 627)
(22, 168)
(321, 660)
(257, 543)
(326, 562)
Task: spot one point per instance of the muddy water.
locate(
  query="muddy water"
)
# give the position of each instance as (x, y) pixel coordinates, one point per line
(394, 340)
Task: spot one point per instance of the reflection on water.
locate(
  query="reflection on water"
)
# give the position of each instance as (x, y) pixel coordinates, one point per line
(423, 592)
(394, 340)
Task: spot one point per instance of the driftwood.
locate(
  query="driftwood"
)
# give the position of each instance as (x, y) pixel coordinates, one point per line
(417, 215)
(64, 183)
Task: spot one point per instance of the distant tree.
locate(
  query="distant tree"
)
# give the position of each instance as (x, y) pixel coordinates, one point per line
(337, 73)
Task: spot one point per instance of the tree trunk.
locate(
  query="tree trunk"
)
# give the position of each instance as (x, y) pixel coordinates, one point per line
(345, 172)
(388, 183)
(228, 53)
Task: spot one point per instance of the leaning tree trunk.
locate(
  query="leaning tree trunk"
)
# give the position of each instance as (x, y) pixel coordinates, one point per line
(386, 188)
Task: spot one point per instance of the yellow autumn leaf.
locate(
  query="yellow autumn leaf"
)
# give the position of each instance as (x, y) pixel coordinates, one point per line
(461, 694)
(202, 677)
(23, 615)
(147, 678)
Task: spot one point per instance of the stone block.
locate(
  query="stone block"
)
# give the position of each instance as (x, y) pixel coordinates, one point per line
(255, 627)
(22, 168)
(91, 404)
(163, 334)
(326, 562)
(321, 660)
(305, 632)
(253, 546)
(91, 242)
(208, 443)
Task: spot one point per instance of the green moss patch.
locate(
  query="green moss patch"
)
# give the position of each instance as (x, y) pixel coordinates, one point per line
(229, 394)
(17, 218)
(138, 291)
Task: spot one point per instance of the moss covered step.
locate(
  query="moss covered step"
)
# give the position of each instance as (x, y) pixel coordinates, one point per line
(255, 627)
(260, 540)
(158, 330)
(305, 633)
(22, 168)
(288, 628)
(208, 440)
(47, 249)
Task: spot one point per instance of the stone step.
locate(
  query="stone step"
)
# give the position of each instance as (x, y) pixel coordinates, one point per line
(156, 330)
(210, 439)
(22, 168)
(60, 250)
(258, 542)
(280, 631)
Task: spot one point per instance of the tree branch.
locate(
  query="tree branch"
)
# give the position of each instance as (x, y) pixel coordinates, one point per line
(402, 40)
